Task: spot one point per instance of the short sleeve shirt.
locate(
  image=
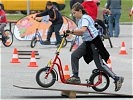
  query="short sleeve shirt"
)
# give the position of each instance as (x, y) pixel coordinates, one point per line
(91, 31)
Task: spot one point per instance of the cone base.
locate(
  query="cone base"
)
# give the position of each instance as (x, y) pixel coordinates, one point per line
(15, 61)
(32, 64)
(123, 52)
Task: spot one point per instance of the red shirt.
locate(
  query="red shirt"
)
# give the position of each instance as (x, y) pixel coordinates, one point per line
(2, 17)
(90, 8)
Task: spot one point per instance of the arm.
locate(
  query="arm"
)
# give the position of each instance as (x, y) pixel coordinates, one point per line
(80, 31)
(42, 14)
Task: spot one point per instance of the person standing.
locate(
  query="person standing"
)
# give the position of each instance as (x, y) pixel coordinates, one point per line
(56, 18)
(3, 19)
(115, 13)
(3, 22)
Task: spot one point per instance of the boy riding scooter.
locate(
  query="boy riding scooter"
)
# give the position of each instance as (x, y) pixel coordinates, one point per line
(92, 47)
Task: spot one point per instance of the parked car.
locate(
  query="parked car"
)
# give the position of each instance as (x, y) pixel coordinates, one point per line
(34, 5)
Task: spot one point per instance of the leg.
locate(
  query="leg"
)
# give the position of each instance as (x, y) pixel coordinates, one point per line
(76, 55)
(57, 34)
(111, 25)
(99, 63)
(2, 25)
(49, 34)
(117, 27)
(103, 67)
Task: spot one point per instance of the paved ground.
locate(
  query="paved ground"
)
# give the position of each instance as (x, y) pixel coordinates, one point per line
(21, 74)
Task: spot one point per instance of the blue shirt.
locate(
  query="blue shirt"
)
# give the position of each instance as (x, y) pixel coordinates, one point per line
(91, 31)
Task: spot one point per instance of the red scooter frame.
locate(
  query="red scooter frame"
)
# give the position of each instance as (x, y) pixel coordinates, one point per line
(49, 69)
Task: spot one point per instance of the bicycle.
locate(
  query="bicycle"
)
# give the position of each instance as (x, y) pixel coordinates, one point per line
(7, 37)
(37, 37)
(47, 76)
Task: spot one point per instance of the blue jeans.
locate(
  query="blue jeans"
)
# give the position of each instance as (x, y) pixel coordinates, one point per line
(114, 22)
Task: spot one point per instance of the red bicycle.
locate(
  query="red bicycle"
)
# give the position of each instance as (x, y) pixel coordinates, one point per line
(47, 76)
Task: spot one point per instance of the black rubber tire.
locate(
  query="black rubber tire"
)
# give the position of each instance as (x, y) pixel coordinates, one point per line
(10, 38)
(33, 42)
(96, 88)
(39, 81)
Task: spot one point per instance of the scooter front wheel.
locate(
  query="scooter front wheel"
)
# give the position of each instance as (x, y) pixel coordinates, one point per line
(102, 86)
(45, 82)
(33, 42)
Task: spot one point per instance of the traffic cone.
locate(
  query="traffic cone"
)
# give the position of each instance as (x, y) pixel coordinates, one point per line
(15, 57)
(66, 72)
(33, 60)
(109, 64)
(123, 49)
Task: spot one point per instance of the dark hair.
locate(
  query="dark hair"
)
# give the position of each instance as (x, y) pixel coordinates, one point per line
(2, 6)
(49, 3)
(77, 6)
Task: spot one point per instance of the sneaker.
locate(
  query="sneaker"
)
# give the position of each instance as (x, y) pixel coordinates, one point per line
(73, 80)
(118, 83)
(46, 42)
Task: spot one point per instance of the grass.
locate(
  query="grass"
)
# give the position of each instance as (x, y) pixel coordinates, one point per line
(126, 6)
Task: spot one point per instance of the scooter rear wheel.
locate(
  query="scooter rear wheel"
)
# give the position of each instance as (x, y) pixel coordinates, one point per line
(45, 82)
(7, 42)
(105, 81)
(33, 42)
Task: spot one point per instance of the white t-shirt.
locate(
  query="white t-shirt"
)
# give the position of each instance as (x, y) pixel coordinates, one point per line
(91, 32)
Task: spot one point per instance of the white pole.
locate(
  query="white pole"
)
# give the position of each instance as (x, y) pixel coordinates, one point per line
(28, 7)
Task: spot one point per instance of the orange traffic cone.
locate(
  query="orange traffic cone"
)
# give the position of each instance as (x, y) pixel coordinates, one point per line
(33, 60)
(15, 57)
(109, 64)
(66, 72)
(123, 49)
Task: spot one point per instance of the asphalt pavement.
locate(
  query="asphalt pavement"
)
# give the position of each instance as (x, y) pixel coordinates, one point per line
(21, 74)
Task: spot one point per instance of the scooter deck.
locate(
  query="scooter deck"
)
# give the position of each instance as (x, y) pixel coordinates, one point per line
(72, 93)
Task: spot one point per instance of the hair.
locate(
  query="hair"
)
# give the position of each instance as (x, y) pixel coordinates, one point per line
(49, 3)
(77, 6)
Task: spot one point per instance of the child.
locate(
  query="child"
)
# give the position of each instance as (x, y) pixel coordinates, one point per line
(92, 47)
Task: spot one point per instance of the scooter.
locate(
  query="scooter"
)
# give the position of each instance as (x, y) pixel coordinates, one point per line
(47, 76)
(37, 37)
(7, 38)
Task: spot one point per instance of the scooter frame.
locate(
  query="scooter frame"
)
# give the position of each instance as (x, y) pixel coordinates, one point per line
(57, 61)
